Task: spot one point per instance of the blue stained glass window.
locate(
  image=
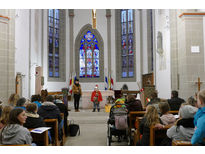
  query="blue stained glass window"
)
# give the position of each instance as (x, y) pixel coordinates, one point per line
(96, 53)
(53, 33)
(127, 52)
(82, 53)
(50, 12)
(89, 63)
(56, 13)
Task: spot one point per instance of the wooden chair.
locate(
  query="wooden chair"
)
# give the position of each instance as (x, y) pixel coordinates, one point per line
(156, 133)
(181, 143)
(54, 124)
(40, 137)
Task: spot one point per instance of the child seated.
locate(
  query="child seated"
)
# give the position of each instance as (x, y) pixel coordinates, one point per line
(166, 117)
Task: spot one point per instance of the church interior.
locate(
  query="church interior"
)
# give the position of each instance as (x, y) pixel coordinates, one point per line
(146, 56)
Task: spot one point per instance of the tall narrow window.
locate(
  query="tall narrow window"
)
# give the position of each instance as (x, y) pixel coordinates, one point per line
(89, 56)
(54, 39)
(151, 24)
(127, 54)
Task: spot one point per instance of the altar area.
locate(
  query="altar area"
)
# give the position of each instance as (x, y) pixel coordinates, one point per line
(85, 100)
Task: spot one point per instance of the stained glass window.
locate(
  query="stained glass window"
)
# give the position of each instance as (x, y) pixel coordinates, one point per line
(89, 56)
(53, 39)
(127, 54)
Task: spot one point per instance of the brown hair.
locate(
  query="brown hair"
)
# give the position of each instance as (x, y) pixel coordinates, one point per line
(5, 114)
(151, 116)
(32, 107)
(13, 116)
(13, 99)
(164, 107)
(201, 96)
(130, 98)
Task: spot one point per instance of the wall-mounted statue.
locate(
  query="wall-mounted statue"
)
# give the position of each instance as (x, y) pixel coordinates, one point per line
(159, 43)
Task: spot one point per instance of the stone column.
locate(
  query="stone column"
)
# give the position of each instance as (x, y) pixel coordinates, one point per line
(108, 15)
(71, 50)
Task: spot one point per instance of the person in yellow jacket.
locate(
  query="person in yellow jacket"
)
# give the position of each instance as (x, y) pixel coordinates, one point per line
(77, 92)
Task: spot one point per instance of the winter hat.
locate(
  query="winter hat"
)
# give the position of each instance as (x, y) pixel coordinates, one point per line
(96, 86)
(187, 111)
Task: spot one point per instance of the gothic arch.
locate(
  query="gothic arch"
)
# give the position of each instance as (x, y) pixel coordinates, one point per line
(81, 33)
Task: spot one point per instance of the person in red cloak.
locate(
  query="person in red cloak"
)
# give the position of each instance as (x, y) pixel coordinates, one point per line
(96, 98)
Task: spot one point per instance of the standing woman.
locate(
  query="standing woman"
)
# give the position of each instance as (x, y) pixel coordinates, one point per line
(77, 94)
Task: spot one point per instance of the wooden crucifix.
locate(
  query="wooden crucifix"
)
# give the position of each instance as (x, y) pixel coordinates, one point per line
(199, 83)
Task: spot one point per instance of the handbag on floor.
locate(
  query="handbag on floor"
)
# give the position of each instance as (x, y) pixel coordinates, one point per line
(73, 129)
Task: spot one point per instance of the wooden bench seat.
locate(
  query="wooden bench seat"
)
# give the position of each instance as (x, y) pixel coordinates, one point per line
(43, 137)
(181, 143)
(158, 134)
(54, 124)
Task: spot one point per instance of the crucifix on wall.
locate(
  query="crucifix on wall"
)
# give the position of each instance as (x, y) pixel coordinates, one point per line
(198, 83)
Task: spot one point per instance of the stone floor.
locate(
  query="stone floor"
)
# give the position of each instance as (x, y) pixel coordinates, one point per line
(93, 128)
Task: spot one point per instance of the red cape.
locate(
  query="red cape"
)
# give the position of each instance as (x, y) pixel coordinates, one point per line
(99, 96)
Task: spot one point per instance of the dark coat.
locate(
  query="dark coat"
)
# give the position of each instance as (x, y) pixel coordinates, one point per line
(34, 121)
(49, 110)
(134, 105)
(175, 103)
(63, 109)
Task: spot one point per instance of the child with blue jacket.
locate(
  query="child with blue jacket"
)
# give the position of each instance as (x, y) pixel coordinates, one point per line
(199, 120)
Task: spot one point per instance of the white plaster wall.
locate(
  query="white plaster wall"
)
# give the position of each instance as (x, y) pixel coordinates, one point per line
(22, 48)
(163, 77)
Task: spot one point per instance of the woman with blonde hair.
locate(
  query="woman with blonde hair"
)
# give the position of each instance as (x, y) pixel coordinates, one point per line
(5, 116)
(13, 99)
(150, 118)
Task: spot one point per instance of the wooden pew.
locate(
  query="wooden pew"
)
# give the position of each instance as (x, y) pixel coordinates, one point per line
(137, 131)
(156, 133)
(15, 145)
(64, 137)
(40, 137)
(173, 112)
(54, 124)
(181, 143)
(132, 118)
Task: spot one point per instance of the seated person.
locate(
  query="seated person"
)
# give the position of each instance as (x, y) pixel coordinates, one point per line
(5, 115)
(36, 99)
(175, 102)
(184, 127)
(63, 109)
(21, 103)
(48, 110)
(133, 104)
(154, 98)
(166, 117)
(14, 132)
(150, 118)
(33, 119)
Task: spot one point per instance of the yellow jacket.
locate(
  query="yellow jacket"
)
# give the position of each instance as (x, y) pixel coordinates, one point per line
(77, 90)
